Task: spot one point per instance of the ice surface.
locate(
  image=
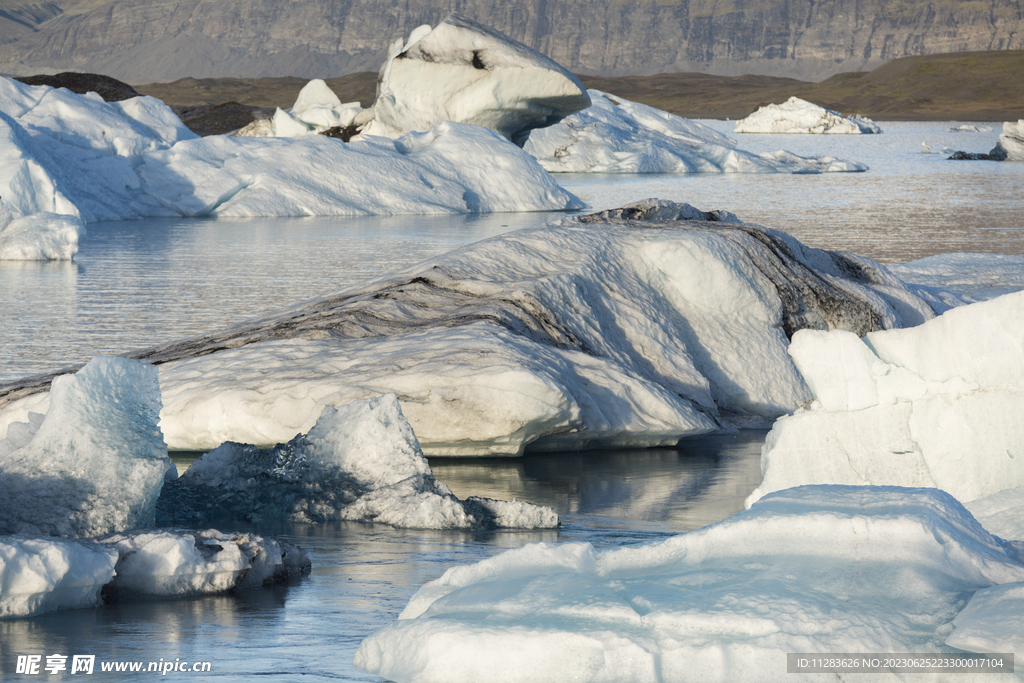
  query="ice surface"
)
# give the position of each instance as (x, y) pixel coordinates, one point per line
(1001, 513)
(624, 329)
(178, 563)
(44, 574)
(467, 72)
(95, 464)
(316, 109)
(359, 462)
(799, 116)
(1011, 142)
(811, 569)
(932, 405)
(993, 621)
(615, 135)
(78, 156)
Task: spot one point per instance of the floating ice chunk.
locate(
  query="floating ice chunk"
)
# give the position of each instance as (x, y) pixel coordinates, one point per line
(315, 95)
(932, 405)
(970, 128)
(469, 73)
(1011, 142)
(96, 463)
(44, 574)
(799, 116)
(359, 462)
(811, 569)
(38, 237)
(615, 135)
(177, 563)
(993, 621)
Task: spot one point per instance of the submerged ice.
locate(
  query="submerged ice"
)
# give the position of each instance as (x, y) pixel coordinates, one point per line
(359, 462)
(810, 569)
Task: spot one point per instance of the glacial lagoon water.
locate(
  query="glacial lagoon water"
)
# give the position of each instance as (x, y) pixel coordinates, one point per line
(141, 283)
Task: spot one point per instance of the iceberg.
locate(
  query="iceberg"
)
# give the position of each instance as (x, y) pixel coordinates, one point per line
(800, 116)
(469, 73)
(89, 160)
(993, 621)
(42, 236)
(95, 463)
(811, 569)
(165, 563)
(615, 135)
(1011, 142)
(316, 110)
(932, 405)
(629, 328)
(48, 574)
(45, 574)
(360, 462)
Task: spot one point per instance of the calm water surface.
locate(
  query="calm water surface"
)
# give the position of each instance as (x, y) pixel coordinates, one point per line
(142, 283)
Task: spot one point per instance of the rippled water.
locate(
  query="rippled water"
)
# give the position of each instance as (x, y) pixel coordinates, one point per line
(363, 575)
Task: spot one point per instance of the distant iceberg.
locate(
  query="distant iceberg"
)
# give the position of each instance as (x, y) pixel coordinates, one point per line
(933, 405)
(629, 328)
(615, 135)
(360, 462)
(825, 569)
(800, 116)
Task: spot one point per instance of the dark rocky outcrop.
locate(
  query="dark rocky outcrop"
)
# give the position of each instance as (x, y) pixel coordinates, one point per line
(110, 89)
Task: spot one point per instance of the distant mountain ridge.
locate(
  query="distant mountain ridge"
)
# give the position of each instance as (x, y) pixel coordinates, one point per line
(142, 41)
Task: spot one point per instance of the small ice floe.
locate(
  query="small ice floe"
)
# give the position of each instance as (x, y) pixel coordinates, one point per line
(615, 135)
(359, 462)
(47, 574)
(933, 405)
(799, 116)
(95, 463)
(809, 569)
(42, 236)
(970, 128)
(925, 148)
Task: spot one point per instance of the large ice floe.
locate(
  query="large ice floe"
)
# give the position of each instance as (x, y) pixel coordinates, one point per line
(632, 327)
(812, 569)
(360, 462)
(615, 135)
(800, 116)
(89, 160)
(467, 72)
(95, 463)
(45, 574)
(933, 405)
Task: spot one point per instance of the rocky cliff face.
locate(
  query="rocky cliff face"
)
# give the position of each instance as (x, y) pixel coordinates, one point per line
(148, 40)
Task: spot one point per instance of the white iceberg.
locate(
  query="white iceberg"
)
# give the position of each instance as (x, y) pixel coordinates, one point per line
(317, 109)
(812, 569)
(615, 135)
(95, 463)
(1011, 142)
(933, 405)
(469, 73)
(46, 574)
(178, 563)
(630, 328)
(359, 462)
(41, 236)
(89, 160)
(800, 116)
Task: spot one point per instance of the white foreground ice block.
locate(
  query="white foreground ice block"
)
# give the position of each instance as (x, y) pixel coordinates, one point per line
(1011, 142)
(470, 73)
(46, 574)
(615, 135)
(993, 621)
(95, 463)
(359, 462)
(800, 116)
(934, 405)
(43, 236)
(810, 569)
